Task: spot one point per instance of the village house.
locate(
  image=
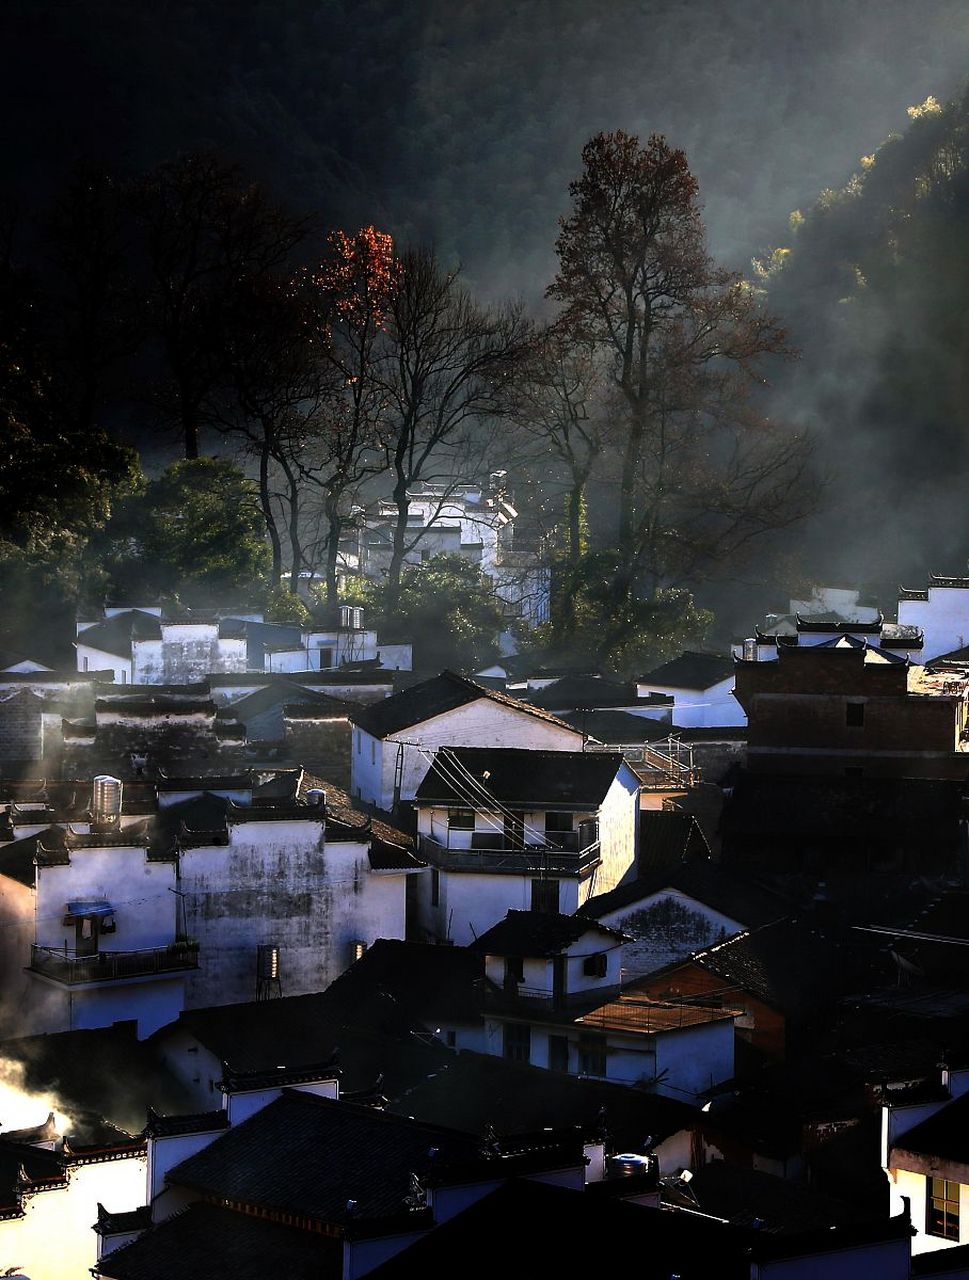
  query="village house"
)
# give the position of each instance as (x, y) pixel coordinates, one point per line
(848, 707)
(781, 978)
(288, 1175)
(701, 686)
(940, 611)
(395, 740)
(151, 646)
(553, 1000)
(508, 829)
(140, 898)
(672, 911)
(925, 1154)
(472, 521)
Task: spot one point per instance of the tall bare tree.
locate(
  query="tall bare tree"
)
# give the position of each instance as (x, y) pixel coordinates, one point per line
(702, 472)
(448, 360)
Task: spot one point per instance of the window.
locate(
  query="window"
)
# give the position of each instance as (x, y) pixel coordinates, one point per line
(595, 966)
(373, 750)
(558, 1053)
(555, 820)
(435, 887)
(357, 950)
(592, 1056)
(518, 1041)
(545, 895)
(942, 1208)
(460, 819)
(514, 970)
(854, 715)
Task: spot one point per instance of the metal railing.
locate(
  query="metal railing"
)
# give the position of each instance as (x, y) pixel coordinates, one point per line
(107, 966)
(667, 764)
(510, 858)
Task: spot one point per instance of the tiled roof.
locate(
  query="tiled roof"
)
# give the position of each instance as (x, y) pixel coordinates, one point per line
(475, 1092)
(618, 726)
(550, 779)
(651, 1017)
(537, 933)
(584, 691)
(160, 1126)
(783, 964)
(425, 982)
(308, 1155)
(115, 635)
(274, 695)
(434, 697)
(944, 1135)
(207, 1242)
(691, 670)
(17, 857)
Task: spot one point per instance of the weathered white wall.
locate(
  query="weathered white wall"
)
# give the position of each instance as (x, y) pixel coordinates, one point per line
(478, 724)
(54, 1239)
(943, 618)
(186, 652)
(16, 935)
(139, 891)
(692, 1059)
(664, 927)
(282, 882)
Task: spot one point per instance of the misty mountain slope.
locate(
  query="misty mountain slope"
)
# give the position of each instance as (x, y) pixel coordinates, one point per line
(461, 121)
(875, 288)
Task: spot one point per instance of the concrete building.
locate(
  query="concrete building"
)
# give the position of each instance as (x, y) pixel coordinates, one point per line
(701, 686)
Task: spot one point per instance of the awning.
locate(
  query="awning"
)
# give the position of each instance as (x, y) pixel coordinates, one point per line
(88, 907)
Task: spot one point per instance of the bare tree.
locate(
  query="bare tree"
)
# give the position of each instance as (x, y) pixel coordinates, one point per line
(448, 359)
(682, 342)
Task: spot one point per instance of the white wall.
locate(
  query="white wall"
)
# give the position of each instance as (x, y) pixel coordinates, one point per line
(139, 891)
(664, 927)
(185, 653)
(482, 723)
(711, 708)
(54, 1239)
(618, 831)
(470, 902)
(943, 618)
(90, 659)
(283, 882)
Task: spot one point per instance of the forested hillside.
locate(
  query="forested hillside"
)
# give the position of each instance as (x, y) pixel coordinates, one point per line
(874, 283)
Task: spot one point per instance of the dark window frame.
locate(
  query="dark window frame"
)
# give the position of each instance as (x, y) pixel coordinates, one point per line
(942, 1208)
(855, 715)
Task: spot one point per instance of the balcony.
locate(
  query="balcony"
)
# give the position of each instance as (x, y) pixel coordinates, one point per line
(111, 966)
(497, 854)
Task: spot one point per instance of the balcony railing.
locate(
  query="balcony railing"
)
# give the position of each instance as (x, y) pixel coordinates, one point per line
(108, 966)
(506, 856)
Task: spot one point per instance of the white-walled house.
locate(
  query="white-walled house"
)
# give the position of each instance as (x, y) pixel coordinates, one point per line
(142, 647)
(193, 892)
(470, 521)
(701, 686)
(505, 829)
(90, 932)
(394, 740)
(940, 611)
(310, 880)
(925, 1154)
(553, 1000)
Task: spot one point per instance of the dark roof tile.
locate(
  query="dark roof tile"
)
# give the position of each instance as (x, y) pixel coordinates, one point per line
(691, 670)
(537, 933)
(468, 776)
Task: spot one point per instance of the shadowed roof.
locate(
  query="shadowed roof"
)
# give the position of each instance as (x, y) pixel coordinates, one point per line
(552, 779)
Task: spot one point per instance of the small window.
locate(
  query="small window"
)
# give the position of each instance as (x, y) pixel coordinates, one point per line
(373, 750)
(555, 820)
(435, 887)
(514, 970)
(558, 1053)
(518, 1041)
(460, 819)
(357, 950)
(595, 966)
(545, 895)
(855, 715)
(592, 1056)
(942, 1208)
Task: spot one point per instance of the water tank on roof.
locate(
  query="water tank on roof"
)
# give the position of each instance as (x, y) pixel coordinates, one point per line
(106, 798)
(629, 1163)
(750, 650)
(316, 798)
(267, 962)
